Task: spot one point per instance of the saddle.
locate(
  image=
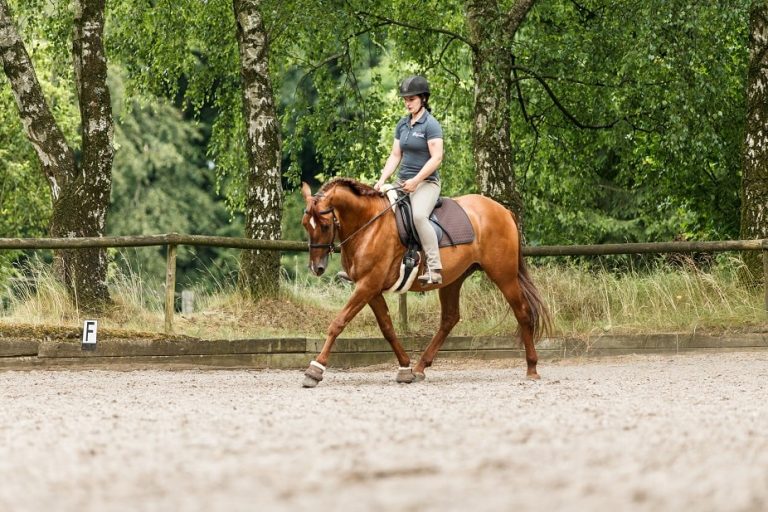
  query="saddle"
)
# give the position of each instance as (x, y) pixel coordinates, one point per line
(449, 220)
(451, 225)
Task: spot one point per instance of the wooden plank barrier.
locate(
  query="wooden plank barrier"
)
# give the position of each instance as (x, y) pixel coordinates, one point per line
(172, 240)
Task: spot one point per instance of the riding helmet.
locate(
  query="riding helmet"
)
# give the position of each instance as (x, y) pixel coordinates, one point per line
(413, 86)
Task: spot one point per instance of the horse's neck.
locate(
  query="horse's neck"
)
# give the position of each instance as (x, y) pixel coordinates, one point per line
(353, 215)
(355, 212)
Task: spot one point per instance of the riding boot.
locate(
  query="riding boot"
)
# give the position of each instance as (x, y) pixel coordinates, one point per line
(431, 277)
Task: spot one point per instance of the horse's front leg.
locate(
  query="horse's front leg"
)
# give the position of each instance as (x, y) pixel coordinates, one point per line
(360, 297)
(379, 306)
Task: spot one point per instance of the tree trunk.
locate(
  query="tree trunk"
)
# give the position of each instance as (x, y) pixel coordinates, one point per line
(259, 270)
(754, 183)
(80, 194)
(57, 159)
(82, 207)
(491, 33)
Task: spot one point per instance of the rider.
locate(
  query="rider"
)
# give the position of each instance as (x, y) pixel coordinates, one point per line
(418, 149)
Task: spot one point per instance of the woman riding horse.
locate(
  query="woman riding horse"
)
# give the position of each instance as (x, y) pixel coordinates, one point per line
(371, 253)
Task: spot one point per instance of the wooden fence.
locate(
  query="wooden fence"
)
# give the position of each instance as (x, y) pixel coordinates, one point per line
(173, 240)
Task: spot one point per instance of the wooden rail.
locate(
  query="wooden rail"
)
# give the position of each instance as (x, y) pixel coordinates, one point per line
(151, 240)
(173, 240)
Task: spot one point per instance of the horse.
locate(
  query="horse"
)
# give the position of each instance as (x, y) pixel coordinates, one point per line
(371, 254)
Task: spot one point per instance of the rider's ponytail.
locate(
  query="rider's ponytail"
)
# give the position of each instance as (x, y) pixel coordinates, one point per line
(425, 102)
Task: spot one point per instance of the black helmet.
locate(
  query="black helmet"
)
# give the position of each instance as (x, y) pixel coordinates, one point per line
(413, 86)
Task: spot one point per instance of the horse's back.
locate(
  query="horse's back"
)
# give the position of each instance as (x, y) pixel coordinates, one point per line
(486, 214)
(496, 233)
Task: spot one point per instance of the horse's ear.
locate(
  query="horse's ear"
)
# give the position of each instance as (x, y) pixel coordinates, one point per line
(306, 192)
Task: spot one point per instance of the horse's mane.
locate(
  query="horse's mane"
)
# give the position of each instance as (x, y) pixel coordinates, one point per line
(354, 186)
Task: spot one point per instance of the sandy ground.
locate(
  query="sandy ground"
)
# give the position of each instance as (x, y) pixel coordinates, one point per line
(686, 432)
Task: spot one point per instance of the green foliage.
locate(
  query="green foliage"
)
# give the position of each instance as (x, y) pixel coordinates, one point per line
(162, 183)
(25, 202)
(665, 80)
(666, 76)
(187, 51)
(333, 92)
(670, 75)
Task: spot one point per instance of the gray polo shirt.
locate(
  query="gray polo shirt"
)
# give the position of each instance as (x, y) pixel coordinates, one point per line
(413, 144)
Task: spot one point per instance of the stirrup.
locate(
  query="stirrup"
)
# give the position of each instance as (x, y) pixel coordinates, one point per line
(431, 277)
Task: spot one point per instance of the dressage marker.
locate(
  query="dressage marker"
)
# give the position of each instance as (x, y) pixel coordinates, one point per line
(89, 335)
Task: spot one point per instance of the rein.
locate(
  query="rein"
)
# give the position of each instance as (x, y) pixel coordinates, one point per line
(336, 248)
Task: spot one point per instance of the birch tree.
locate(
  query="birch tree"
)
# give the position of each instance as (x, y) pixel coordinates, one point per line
(214, 56)
(754, 184)
(492, 31)
(259, 270)
(80, 186)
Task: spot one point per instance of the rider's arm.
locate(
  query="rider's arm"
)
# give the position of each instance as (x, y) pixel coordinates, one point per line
(435, 158)
(391, 165)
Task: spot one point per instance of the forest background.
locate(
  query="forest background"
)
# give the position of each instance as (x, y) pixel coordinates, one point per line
(620, 121)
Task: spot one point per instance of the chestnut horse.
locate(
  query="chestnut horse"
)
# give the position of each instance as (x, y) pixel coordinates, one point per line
(371, 253)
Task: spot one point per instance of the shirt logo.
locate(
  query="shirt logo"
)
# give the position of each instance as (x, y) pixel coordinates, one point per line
(418, 134)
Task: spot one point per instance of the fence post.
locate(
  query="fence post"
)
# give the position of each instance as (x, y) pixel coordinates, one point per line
(765, 272)
(402, 309)
(170, 287)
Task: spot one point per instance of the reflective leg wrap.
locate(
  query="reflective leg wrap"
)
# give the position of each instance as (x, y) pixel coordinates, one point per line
(404, 375)
(315, 371)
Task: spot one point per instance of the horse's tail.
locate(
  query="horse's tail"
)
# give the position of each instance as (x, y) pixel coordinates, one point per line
(541, 319)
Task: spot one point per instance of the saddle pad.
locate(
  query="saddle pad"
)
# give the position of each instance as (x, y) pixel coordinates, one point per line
(451, 217)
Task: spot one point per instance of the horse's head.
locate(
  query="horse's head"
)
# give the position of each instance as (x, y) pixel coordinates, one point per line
(320, 223)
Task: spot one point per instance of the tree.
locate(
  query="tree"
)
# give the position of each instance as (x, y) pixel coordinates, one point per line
(214, 57)
(623, 118)
(79, 184)
(492, 32)
(644, 144)
(264, 194)
(754, 182)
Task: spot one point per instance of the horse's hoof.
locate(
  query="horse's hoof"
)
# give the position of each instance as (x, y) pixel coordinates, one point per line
(313, 375)
(418, 376)
(533, 376)
(309, 382)
(404, 376)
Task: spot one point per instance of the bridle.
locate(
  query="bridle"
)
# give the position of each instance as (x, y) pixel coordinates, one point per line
(330, 246)
(336, 248)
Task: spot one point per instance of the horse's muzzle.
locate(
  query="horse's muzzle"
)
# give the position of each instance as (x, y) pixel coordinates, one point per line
(318, 267)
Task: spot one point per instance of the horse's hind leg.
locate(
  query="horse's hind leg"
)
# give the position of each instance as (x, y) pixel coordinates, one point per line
(449, 317)
(509, 284)
(379, 306)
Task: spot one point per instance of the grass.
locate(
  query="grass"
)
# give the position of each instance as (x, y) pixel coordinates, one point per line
(583, 301)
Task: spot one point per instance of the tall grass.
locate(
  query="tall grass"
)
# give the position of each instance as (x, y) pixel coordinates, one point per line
(662, 299)
(42, 299)
(582, 300)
